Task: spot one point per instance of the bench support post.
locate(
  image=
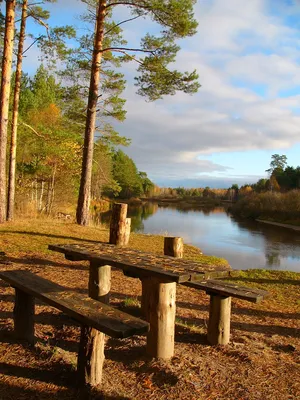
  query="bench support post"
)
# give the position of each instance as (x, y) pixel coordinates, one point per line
(24, 316)
(159, 305)
(90, 356)
(91, 347)
(219, 319)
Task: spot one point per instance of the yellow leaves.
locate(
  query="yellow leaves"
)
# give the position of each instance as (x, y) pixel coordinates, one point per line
(244, 191)
(49, 117)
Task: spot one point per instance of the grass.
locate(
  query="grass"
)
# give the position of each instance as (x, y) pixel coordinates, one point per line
(194, 328)
(282, 285)
(34, 235)
(130, 302)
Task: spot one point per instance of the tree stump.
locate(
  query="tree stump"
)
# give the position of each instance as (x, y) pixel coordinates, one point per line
(219, 320)
(24, 316)
(173, 246)
(119, 225)
(160, 308)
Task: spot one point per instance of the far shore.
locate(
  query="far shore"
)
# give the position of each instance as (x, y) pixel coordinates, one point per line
(288, 226)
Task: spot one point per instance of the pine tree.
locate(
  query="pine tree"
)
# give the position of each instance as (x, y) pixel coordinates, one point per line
(49, 44)
(13, 142)
(4, 101)
(155, 79)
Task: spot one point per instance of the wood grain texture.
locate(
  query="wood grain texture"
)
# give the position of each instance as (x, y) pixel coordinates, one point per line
(137, 263)
(92, 342)
(222, 288)
(173, 246)
(82, 308)
(160, 309)
(118, 227)
(99, 282)
(90, 356)
(218, 331)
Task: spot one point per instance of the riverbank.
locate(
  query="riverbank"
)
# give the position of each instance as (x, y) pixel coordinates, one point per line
(259, 363)
(184, 202)
(282, 208)
(288, 226)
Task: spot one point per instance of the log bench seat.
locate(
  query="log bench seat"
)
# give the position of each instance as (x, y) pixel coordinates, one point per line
(220, 293)
(96, 319)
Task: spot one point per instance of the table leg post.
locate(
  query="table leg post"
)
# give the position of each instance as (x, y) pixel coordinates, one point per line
(24, 316)
(161, 304)
(146, 289)
(91, 348)
(99, 282)
(219, 320)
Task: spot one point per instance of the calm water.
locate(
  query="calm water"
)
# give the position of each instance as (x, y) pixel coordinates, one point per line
(245, 244)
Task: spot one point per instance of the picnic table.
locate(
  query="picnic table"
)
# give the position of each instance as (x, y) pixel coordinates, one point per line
(158, 274)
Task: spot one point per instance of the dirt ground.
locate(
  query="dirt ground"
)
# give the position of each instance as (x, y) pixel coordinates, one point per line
(261, 362)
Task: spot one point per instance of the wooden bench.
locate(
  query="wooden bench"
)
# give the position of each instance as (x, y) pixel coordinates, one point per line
(96, 319)
(220, 305)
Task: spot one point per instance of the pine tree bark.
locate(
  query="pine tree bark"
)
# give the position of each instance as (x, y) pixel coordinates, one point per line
(82, 213)
(14, 129)
(4, 99)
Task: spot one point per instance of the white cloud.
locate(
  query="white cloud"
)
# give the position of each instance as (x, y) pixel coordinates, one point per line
(170, 137)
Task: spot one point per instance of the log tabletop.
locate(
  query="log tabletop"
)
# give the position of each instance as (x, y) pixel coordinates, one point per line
(136, 263)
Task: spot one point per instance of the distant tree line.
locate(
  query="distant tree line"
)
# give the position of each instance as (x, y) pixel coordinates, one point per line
(276, 198)
(282, 178)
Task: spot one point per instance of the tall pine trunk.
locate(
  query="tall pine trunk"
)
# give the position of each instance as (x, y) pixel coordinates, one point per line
(14, 129)
(4, 99)
(82, 213)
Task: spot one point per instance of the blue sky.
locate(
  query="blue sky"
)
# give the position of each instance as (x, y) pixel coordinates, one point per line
(247, 54)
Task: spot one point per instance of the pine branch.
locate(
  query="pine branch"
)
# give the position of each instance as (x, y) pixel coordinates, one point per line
(145, 7)
(127, 3)
(127, 49)
(122, 22)
(130, 56)
(101, 170)
(40, 21)
(32, 44)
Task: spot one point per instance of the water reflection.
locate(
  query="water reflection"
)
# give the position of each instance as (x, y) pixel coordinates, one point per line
(245, 244)
(138, 215)
(281, 245)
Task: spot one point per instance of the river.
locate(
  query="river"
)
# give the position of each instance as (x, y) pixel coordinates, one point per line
(245, 244)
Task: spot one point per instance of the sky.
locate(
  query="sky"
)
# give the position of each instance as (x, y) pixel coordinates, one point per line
(247, 55)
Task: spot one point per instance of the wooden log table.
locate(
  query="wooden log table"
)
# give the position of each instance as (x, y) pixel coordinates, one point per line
(159, 275)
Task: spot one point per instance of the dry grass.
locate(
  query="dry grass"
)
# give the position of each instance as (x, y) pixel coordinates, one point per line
(261, 362)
